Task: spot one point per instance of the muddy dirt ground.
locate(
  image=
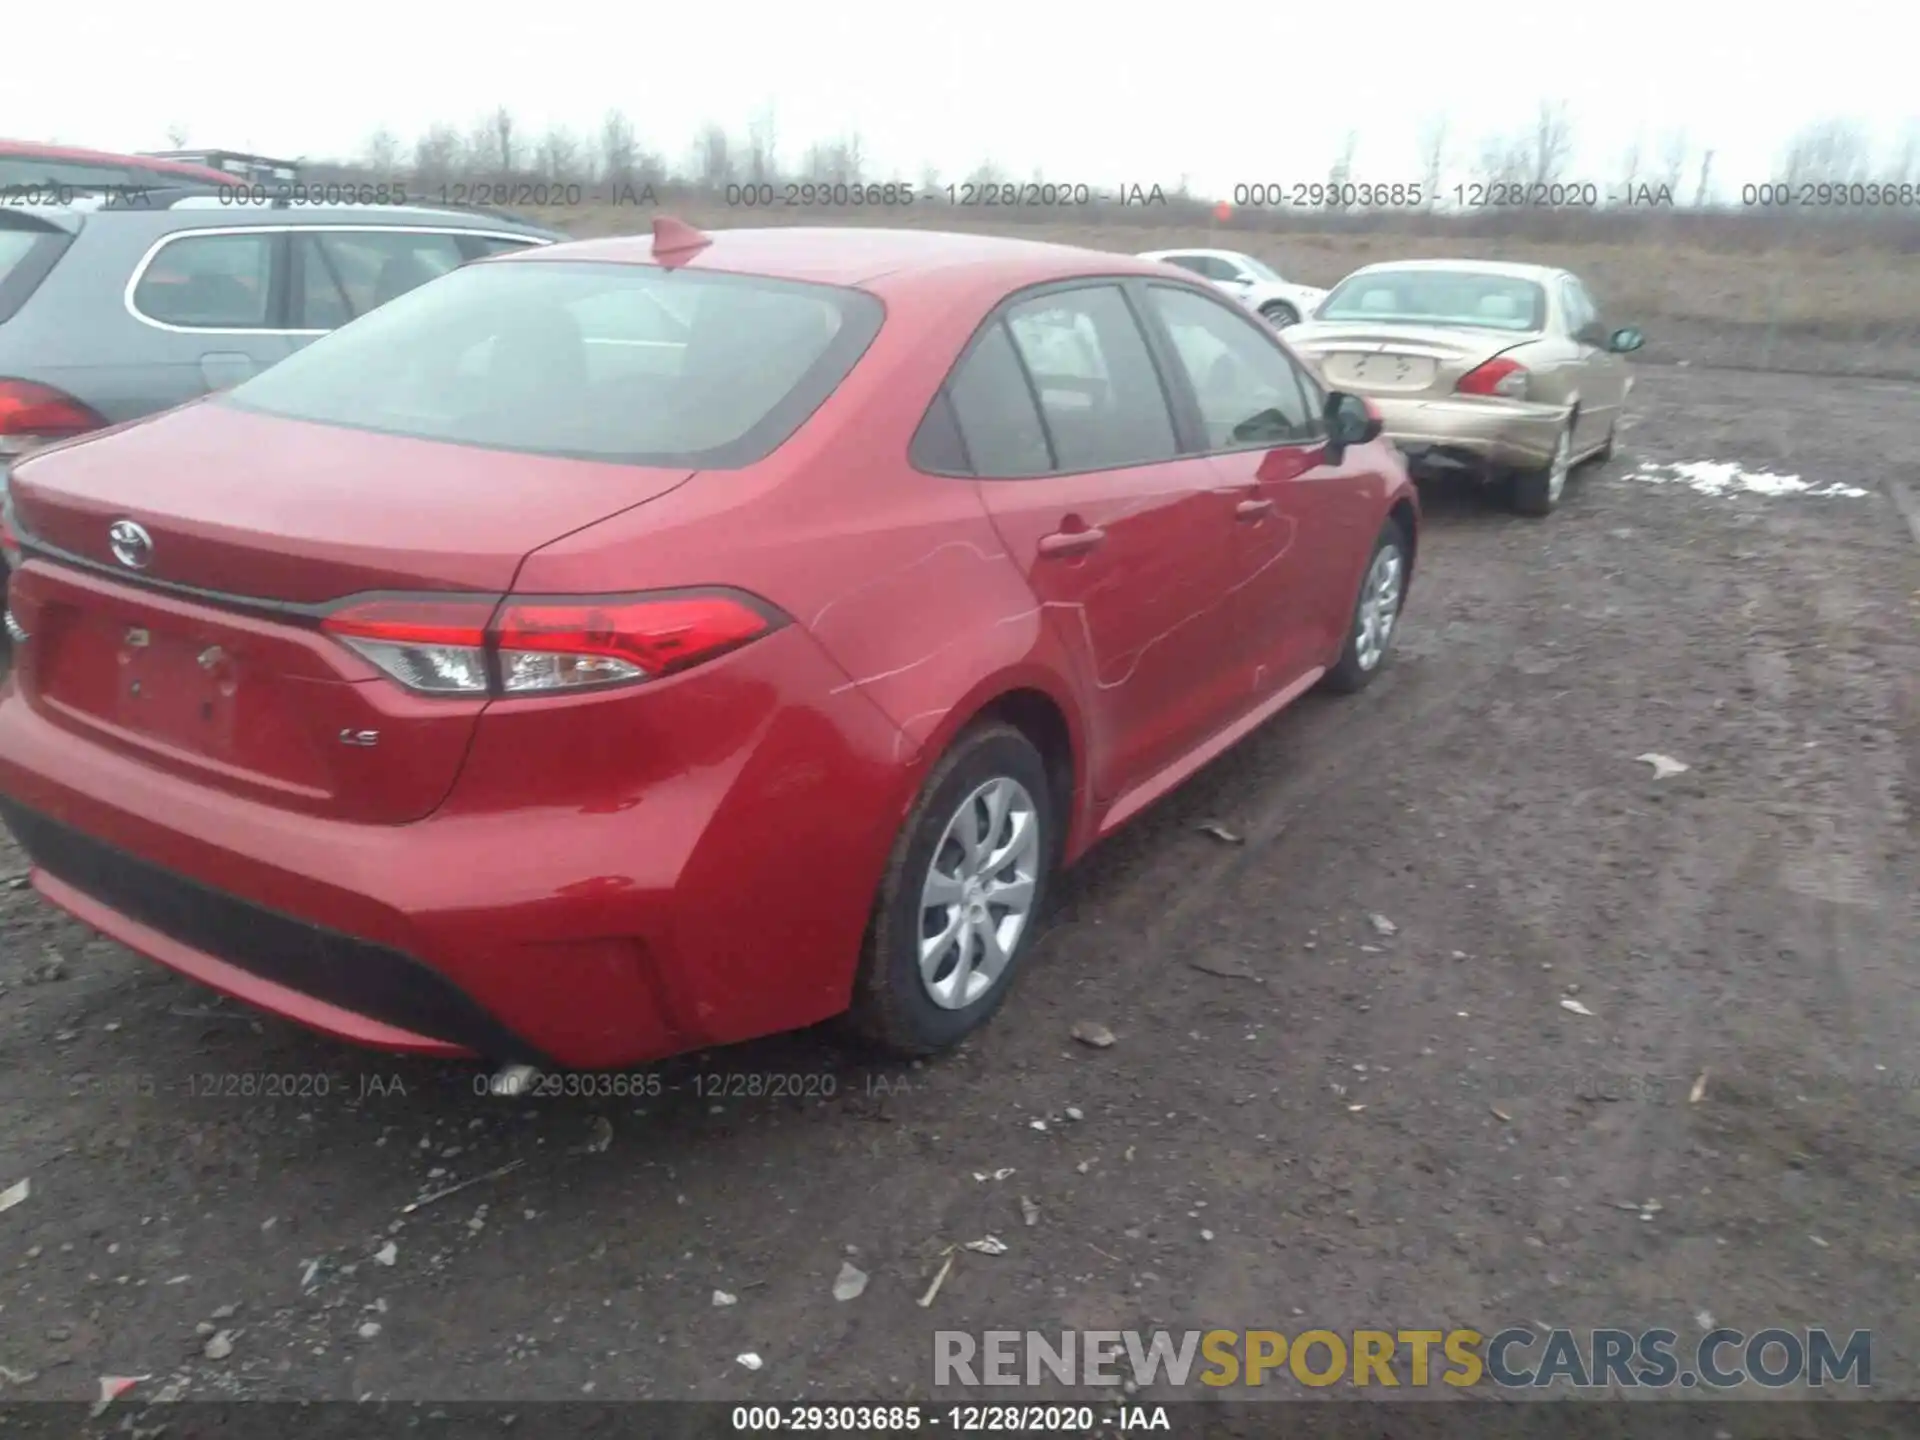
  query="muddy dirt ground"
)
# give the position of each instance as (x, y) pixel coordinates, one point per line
(1357, 1128)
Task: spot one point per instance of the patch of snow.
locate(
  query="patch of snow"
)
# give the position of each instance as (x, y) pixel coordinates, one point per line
(1724, 477)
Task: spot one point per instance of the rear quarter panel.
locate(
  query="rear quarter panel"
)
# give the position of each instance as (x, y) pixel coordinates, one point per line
(900, 577)
(1555, 367)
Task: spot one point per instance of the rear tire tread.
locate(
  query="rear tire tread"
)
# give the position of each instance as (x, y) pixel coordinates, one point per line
(1530, 492)
(1348, 676)
(890, 1010)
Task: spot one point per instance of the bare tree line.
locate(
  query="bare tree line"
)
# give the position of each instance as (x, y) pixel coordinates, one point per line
(1540, 154)
(496, 147)
(1486, 184)
(1827, 151)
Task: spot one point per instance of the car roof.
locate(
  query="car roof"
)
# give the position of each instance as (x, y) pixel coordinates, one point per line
(1196, 250)
(195, 214)
(33, 150)
(202, 209)
(858, 256)
(1512, 269)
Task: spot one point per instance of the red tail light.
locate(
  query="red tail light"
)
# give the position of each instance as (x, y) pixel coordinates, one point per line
(435, 646)
(463, 647)
(32, 414)
(1499, 376)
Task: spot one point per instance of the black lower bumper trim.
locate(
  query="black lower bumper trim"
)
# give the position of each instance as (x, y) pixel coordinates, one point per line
(357, 975)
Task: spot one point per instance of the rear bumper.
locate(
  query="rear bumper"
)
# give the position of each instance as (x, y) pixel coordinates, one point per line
(714, 889)
(331, 982)
(1439, 436)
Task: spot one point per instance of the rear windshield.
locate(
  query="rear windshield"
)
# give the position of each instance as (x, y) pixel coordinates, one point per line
(632, 363)
(1438, 297)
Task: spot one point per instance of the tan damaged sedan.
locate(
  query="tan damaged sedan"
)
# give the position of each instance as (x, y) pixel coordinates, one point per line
(1501, 372)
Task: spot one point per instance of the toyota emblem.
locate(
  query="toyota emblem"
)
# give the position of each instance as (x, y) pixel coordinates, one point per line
(132, 546)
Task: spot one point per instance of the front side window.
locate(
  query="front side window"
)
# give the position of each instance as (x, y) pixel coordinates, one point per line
(1248, 391)
(209, 282)
(1581, 314)
(629, 363)
(1099, 393)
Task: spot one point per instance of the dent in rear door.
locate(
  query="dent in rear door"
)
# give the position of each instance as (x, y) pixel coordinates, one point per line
(1141, 601)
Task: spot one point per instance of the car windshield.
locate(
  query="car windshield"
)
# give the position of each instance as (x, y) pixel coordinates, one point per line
(1438, 297)
(1265, 272)
(630, 363)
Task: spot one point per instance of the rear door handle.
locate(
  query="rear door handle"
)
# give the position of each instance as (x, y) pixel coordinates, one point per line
(1253, 509)
(1072, 542)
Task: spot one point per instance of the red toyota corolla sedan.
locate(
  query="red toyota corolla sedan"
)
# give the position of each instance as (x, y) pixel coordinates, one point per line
(632, 645)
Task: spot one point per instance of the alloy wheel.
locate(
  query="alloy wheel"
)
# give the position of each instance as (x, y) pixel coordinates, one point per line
(978, 896)
(1379, 606)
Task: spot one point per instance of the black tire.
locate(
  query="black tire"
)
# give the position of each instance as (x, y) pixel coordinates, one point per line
(1349, 674)
(1532, 493)
(1279, 314)
(891, 1007)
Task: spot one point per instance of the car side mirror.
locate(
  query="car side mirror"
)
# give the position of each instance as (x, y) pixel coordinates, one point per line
(1625, 339)
(1350, 421)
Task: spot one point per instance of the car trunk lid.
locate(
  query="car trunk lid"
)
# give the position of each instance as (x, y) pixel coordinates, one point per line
(1394, 360)
(205, 659)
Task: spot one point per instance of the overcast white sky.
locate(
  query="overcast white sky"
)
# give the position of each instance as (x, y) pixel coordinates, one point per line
(1226, 92)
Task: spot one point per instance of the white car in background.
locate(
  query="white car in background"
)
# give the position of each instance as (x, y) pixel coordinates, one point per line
(1253, 283)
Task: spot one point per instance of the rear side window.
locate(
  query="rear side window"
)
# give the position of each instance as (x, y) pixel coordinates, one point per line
(1099, 392)
(476, 246)
(209, 282)
(937, 445)
(595, 361)
(27, 254)
(994, 408)
(345, 273)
